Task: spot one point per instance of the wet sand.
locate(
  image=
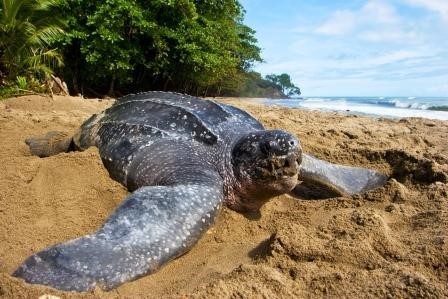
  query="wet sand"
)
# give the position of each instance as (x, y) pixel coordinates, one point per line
(390, 242)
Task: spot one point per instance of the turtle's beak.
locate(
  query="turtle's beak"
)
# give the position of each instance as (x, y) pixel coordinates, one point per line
(288, 165)
(284, 155)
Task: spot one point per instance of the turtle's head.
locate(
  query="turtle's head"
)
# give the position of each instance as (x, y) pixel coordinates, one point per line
(266, 164)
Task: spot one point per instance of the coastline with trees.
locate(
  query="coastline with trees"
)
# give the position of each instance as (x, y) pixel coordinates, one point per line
(111, 48)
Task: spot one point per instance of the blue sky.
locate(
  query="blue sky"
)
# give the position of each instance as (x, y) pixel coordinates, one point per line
(355, 48)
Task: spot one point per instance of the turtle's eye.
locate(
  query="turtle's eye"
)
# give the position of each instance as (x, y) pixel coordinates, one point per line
(253, 148)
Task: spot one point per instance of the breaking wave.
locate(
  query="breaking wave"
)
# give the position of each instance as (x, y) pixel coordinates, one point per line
(435, 108)
(413, 105)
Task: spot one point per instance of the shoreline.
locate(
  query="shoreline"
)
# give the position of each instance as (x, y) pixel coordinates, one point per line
(390, 108)
(388, 242)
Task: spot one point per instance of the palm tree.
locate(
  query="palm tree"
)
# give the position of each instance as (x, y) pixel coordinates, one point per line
(28, 28)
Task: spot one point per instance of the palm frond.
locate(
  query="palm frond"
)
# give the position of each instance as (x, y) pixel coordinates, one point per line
(28, 28)
(46, 36)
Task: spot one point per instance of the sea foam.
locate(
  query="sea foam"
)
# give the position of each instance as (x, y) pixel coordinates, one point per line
(432, 108)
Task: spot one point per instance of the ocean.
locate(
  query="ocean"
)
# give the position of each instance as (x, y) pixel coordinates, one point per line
(391, 107)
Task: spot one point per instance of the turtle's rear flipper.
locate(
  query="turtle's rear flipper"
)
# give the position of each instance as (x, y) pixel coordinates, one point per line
(321, 179)
(50, 144)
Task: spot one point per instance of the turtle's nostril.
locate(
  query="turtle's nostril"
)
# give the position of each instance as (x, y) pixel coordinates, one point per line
(286, 163)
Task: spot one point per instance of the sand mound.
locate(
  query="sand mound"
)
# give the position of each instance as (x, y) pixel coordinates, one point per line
(390, 242)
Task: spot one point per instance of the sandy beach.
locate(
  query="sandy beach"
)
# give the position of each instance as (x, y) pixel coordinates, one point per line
(388, 243)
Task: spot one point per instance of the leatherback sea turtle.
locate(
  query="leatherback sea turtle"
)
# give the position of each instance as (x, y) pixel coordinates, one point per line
(182, 158)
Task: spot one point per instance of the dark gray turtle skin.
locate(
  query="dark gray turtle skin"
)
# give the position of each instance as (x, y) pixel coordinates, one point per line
(182, 158)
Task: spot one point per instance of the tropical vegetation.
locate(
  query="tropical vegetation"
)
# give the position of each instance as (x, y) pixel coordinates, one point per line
(284, 82)
(113, 47)
(29, 30)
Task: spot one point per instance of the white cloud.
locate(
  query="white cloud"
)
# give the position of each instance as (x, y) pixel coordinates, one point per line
(377, 47)
(373, 13)
(438, 6)
(340, 23)
(379, 12)
(393, 57)
(389, 35)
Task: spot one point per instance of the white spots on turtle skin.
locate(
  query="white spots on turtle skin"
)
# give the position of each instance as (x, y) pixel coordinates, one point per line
(156, 223)
(141, 235)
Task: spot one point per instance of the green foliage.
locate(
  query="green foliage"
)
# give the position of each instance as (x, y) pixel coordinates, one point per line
(7, 91)
(22, 85)
(250, 84)
(28, 28)
(21, 82)
(284, 82)
(129, 45)
(121, 46)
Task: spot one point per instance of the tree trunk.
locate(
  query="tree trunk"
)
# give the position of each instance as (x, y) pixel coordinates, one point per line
(189, 87)
(75, 85)
(111, 87)
(185, 87)
(165, 86)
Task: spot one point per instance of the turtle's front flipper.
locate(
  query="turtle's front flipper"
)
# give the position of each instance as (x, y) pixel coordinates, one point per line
(322, 179)
(50, 144)
(152, 226)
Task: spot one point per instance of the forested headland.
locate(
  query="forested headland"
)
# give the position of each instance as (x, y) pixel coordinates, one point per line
(115, 47)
